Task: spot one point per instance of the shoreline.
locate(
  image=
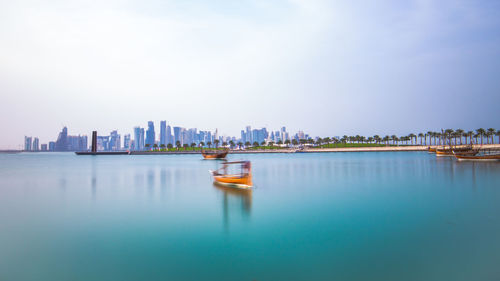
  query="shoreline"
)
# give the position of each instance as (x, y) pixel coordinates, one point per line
(284, 150)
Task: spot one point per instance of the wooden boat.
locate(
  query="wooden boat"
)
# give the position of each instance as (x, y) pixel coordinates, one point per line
(457, 150)
(431, 150)
(486, 157)
(242, 180)
(215, 154)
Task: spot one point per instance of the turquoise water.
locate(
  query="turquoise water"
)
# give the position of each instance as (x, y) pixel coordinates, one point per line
(329, 216)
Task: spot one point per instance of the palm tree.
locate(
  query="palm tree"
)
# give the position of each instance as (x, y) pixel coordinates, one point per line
(295, 142)
(170, 146)
(224, 144)
(193, 145)
(271, 143)
(155, 146)
(178, 144)
(469, 134)
(162, 146)
(412, 136)
(287, 142)
(319, 141)
(147, 145)
(460, 134)
(240, 144)
(263, 143)
(394, 138)
(255, 144)
(216, 142)
(376, 138)
(481, 133)
(247, 144)
(498, 135)
(491, 132)
(280, 142)
(202, 144)
(386, 140)
(209, 143)
(231, 144)
(185, 146)
(420, 135)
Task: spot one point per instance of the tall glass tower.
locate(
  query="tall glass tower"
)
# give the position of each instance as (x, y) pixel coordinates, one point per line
(150, 134)
(163, 132)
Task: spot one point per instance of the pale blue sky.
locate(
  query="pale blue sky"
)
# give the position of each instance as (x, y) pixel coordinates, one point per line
(326, 67)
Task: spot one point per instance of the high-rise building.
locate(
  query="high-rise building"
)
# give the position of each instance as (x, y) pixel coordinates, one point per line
(150, 134)
(62, 141)
(28, 143)
(248, 134)
(36, 144)
(52, 145)
(126, 142)
(44, 147)
(103, 143)
(163, 133)
(114, 141)
(177, 135)
(138, 138)
(170, 137)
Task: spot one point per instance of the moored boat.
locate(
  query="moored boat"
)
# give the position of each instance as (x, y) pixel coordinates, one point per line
(431, 149)
(242, 180)
(215, 154)
(470, 151)
(486, 157)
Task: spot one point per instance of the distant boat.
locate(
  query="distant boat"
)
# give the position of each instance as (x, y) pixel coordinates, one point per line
(215, 154)
(431, 150)
(242, 180)
(483, 157)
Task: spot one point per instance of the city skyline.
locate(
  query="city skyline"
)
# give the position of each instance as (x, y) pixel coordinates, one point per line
(330, 68)
(147, 138)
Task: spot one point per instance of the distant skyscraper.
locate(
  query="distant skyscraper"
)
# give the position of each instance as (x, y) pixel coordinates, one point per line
(126, 142)
(177, 135)
(138, 138)
(170, 137)
(141, 139)
(248, 134)
(163, 132)
(27, 143)
(150, 134)
(44, 147)
(62, 140)
(114, 141)
(36, 144)
(52, 146)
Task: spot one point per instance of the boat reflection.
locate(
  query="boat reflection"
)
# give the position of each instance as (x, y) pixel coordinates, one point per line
(234, 202)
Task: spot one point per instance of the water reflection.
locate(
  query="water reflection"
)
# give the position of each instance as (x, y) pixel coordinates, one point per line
(235, 202)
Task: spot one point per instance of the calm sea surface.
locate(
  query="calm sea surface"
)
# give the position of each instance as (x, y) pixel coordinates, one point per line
(325, 216)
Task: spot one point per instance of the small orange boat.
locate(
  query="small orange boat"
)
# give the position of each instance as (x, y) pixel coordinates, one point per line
(215, 154)
(242, 180)
(431, 150)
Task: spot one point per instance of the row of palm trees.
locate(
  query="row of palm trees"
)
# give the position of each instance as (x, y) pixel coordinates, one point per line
(457, 137)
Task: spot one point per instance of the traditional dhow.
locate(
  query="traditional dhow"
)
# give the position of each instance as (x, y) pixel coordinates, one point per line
(241, 179)
(215, 154)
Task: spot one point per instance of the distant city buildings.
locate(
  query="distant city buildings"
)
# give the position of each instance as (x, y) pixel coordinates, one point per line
(168, 137)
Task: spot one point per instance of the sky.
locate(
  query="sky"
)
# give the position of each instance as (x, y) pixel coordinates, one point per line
(329, 68)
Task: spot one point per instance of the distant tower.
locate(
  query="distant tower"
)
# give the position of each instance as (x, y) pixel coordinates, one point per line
(94, 141)
(163, 132)
(27, 143)
(150, 134)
